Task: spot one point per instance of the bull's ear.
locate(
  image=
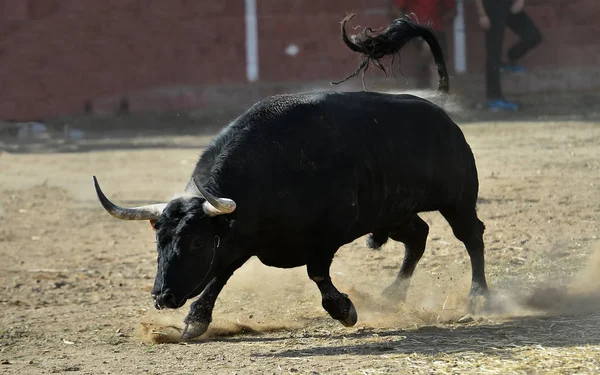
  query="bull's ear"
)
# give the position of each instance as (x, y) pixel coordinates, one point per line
(152, 222)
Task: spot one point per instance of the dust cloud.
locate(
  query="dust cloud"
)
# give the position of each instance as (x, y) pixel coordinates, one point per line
(432, 298)
(581, 296)
(162, 329)
(451, 104)
(250, 303)
(260, 299)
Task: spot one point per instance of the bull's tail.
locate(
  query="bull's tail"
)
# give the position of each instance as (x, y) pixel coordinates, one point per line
(389, 42)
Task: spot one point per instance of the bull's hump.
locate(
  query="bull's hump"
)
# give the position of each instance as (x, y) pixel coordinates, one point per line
(281, 102)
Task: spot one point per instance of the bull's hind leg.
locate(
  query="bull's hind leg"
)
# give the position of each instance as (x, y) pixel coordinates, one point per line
(337, 304)
(469, 229)
(414, 236)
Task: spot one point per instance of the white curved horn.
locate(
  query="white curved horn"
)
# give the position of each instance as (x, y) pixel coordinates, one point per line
(149, 212)
(214, 206)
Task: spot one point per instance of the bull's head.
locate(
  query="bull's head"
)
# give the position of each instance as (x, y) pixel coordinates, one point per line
(189, 231)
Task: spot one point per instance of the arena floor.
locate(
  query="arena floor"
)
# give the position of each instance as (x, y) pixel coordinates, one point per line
(75, 282)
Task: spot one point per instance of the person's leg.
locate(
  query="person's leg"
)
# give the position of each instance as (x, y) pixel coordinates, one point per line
(529, 38)
(497, 12)
(494, 37)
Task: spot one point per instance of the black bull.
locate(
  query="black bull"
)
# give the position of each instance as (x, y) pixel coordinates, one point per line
(295, 177)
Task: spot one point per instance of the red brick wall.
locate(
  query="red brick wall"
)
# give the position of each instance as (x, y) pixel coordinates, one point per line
(314, 26)
(56, 54)
(73, 50)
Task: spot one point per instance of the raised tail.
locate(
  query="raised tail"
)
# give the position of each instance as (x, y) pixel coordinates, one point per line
(389, 42)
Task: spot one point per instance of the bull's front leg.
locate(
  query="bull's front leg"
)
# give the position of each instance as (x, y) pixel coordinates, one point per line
(200, 315)
(337, 304)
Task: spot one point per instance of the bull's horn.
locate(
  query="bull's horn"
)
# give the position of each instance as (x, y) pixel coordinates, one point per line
(214, 206)
(150, 212)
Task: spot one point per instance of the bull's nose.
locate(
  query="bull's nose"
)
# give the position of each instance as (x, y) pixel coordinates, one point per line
(165, 299)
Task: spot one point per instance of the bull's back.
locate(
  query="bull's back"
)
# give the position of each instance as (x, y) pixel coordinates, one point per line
(362, 137)
(334, 158)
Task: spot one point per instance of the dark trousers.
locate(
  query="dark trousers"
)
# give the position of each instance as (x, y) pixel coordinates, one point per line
(498, 12)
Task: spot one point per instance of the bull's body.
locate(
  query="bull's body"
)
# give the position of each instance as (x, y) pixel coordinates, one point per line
(297, 176)
(312, 172)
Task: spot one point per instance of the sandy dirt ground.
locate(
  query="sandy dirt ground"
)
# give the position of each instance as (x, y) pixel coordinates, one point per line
(75, 283)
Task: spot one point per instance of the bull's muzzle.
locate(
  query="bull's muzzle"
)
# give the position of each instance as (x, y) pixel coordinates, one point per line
(165, 300)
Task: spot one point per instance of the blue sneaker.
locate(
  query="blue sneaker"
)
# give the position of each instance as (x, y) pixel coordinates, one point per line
(512, 68)
(502, 105)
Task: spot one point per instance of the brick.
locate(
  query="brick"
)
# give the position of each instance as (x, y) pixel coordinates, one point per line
(544, 15)
(289, 7)
(293, 29)
(581, 35)
(39, 9)
(341, 8)
(14, 10)
(579, 12)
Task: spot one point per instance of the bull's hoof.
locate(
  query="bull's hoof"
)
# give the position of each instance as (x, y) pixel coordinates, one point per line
(193, 330)
(351, 318)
